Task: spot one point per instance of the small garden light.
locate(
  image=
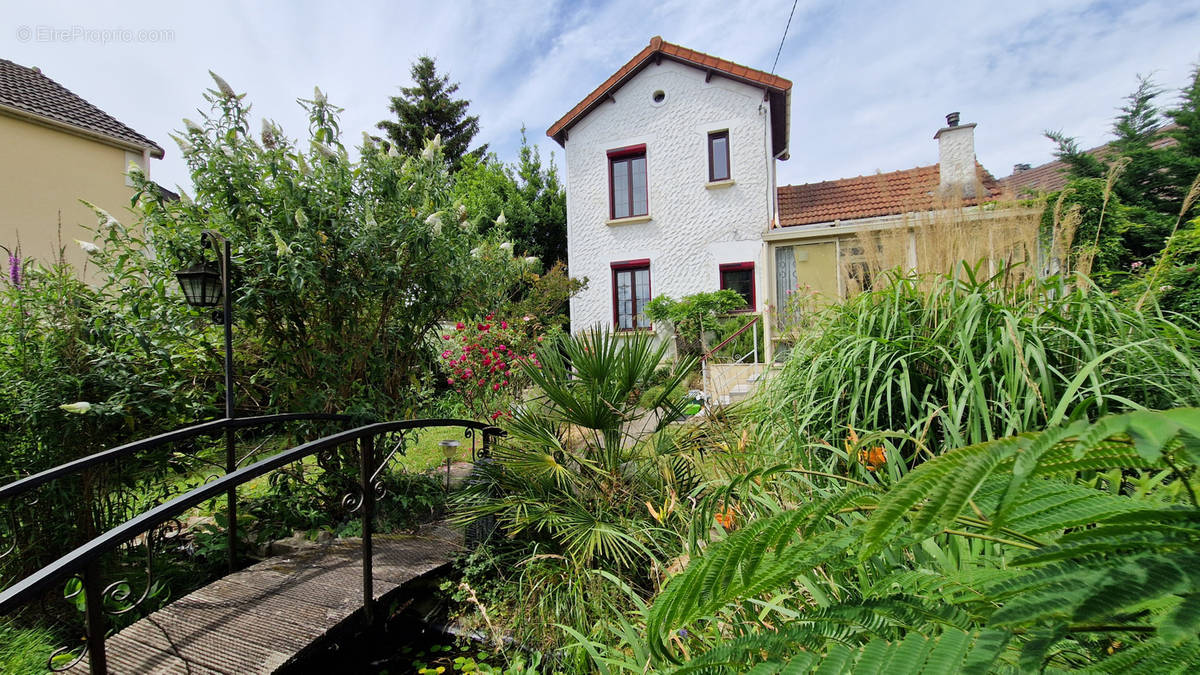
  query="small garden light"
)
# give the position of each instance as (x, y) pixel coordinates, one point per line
(450, 451)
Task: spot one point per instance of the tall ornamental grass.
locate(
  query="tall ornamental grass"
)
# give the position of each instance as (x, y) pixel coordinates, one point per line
(950, 361)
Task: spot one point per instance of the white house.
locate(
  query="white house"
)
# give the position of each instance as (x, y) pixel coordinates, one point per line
(671, 190)
(671, 182)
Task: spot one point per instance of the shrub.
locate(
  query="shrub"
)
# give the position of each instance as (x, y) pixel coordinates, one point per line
(573, 478)
(973, 359)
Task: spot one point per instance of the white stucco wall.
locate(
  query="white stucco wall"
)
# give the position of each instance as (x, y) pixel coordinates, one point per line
(693, 228)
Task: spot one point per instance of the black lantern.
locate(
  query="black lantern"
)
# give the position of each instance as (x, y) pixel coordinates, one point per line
(201, 284)
(206, 284)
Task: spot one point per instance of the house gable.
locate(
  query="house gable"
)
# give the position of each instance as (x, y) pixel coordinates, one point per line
(28, 94)
(640, 186)
(776, 90)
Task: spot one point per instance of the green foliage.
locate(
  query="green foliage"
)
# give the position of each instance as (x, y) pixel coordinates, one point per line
(1114, 244)
(427, 110)
(24, 650)
(1150, 188)
(343, 271)
(526, 199)
(1032, 564)
(572, 479)
(947, 362)
(1177, 282)
(697, 310)
(124, 360)
(692, 315)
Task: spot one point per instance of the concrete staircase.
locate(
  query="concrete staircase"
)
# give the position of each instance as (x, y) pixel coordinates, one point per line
(727, 383)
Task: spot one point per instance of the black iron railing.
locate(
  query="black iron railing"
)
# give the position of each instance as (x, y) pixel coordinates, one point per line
(83, 562)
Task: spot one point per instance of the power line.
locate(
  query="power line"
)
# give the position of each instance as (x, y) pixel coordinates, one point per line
(785, 32)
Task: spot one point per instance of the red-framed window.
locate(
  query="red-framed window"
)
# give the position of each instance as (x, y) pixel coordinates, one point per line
(739, 277)
(631, 292)
(718, 156)
(628, 195)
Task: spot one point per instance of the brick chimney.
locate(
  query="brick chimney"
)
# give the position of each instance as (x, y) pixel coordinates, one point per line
(956, 158)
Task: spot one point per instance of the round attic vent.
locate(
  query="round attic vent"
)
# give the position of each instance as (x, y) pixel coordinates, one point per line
(659, 96)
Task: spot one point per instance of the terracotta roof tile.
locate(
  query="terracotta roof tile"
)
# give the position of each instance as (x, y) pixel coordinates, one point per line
(682, 54)
(29, 91)
(867, 196)
(1053, 176)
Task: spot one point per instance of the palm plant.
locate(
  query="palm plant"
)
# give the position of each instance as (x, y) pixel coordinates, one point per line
(585, 477)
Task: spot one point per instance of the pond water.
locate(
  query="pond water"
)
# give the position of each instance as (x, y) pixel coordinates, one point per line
(409, 641)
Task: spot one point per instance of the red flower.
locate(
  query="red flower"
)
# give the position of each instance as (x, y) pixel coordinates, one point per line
(445, 337)
(496, 387)
(489, 317)
(459, 326)
(504, 325)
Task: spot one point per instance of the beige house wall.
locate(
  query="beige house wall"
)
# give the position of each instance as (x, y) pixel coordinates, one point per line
(45, 171)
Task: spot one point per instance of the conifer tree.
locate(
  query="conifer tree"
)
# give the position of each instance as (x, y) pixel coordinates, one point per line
(428, 109)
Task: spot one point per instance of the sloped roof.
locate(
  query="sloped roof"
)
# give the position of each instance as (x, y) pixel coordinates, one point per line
(28, 91)
(882, 194)
(1053, 176)
(778, 87)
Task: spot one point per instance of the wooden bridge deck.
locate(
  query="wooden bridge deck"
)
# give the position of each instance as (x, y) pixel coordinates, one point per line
(258, 619)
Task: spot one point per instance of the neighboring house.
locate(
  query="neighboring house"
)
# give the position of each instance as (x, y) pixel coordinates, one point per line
(670, 181)
(56, 149)
(1053, 176)
(819, 242)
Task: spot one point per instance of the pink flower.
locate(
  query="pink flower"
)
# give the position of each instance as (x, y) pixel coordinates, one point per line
(468, 373)
(459, 326)
(482, 382)
(505, 383)
(495, 387)
(489, 317)
(446, 354)
(449, 380)
(484, 327)
(502, 348)
(504, 325)
(445, 337)
(539, 338)
(487, 362)
(527, 317)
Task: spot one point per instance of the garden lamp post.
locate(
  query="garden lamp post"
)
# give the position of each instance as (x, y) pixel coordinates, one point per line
(449, 450)
(204, 285)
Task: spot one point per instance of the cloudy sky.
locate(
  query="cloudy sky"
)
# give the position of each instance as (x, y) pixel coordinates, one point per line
(872, 80)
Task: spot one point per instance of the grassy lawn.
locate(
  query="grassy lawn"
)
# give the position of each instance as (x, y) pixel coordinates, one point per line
(424, 453)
